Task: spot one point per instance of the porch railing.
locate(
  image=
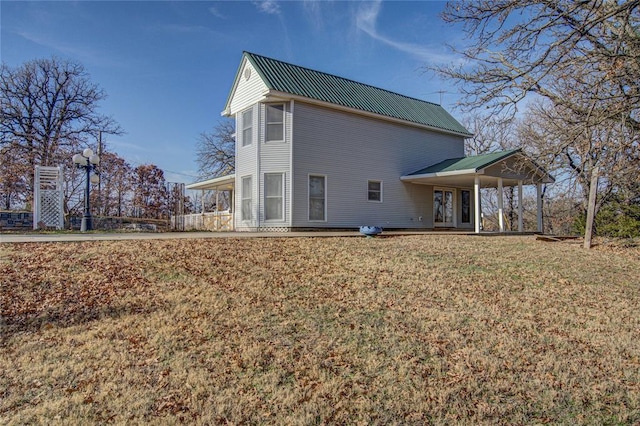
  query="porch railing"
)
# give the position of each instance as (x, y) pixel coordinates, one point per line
(213, 221)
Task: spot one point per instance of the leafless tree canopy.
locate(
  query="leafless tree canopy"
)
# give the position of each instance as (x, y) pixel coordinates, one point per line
(546, 47)
(576, 62)
(48, 104)
(48, 110)
(216, 151)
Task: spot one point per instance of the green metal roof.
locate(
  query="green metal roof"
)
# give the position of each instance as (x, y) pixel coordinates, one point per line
(473, 163)
(296, 80)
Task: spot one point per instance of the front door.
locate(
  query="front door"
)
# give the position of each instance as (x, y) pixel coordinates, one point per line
(444, 208)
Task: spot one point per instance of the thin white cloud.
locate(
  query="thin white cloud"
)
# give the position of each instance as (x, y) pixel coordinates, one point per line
(115, 144)
(270, 7)
(186, 28)
(215, 12)
(314, 12)
(66, 49)
(366, 21)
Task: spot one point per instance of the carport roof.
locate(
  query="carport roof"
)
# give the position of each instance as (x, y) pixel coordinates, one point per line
(471, 164)
(511, 165)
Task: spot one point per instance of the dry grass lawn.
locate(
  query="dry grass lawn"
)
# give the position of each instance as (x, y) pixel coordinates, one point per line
(432, 329)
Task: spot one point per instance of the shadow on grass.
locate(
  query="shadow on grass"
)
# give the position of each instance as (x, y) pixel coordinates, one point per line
(71, 316)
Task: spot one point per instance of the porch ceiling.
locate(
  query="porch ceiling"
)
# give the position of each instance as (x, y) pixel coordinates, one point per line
(222, 183)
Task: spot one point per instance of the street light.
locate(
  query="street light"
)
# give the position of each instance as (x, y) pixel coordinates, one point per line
(88, 161)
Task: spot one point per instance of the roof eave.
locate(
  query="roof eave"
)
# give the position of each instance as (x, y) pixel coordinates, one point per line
(441, 174)
(212, 183)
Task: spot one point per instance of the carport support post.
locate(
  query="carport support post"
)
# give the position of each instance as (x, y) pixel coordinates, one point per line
(476, 203)
(500, 205)
(520, 219)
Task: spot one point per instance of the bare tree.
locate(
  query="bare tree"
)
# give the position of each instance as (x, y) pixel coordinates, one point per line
(48, 105)
(150, 195)
(577, 63)
(216, 150)
(14, 173)
(527, 46)
(116, 178)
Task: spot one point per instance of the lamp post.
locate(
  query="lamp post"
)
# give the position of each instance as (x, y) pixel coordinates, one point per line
(88, 161)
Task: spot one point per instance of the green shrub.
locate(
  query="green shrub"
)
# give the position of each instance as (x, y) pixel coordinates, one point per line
(619, 220)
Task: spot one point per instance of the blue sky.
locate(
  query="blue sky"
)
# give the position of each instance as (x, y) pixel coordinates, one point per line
(167, 67)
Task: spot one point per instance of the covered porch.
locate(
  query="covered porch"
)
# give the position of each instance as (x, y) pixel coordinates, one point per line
(495, 170)
(221, 218)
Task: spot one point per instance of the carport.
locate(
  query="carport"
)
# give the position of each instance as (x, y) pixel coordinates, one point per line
(494, 170)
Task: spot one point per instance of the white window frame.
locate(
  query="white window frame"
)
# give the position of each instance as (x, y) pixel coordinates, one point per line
(245, 127)
(369, 191)
(309, 197)
(281, 197)
(244, 197)
(454, 213)
(267, 123)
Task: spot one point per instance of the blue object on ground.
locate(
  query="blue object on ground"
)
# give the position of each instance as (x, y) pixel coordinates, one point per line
(370, 231)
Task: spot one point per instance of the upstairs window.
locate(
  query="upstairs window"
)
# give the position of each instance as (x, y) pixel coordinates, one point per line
(275, 123)
(374, 191)
(247, 127)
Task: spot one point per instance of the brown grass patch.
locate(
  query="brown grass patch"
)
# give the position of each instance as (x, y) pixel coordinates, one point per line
(405, 330)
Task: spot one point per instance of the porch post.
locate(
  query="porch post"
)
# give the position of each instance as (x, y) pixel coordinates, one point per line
(476, 203)
(500, 205)
(202, 201)
(539, 204)
(520, 219)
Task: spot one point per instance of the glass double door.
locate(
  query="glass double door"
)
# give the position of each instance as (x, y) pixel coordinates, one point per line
(444, 208)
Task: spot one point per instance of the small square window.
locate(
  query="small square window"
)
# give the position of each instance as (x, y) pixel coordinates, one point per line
(374, 191)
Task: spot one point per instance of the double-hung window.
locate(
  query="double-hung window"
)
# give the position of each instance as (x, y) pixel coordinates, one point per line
(317, 198)
(275, 122)
(247, 202)
(374, 191)
(274, 196)
(247, 127)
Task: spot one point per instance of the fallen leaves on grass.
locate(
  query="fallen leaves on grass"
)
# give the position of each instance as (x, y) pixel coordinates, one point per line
(417, 330)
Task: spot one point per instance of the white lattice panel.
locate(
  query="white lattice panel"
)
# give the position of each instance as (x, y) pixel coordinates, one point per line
(48, 198)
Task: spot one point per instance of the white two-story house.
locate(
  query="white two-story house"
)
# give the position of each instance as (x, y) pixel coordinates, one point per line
(314, 150)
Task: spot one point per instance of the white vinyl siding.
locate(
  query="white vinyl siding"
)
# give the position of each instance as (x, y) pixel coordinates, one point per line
(374, 191)
(247, 198)
(274, 123)
(247, 127)
(246, 91)
(274, 196)
(349, 147)
(317, 198)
